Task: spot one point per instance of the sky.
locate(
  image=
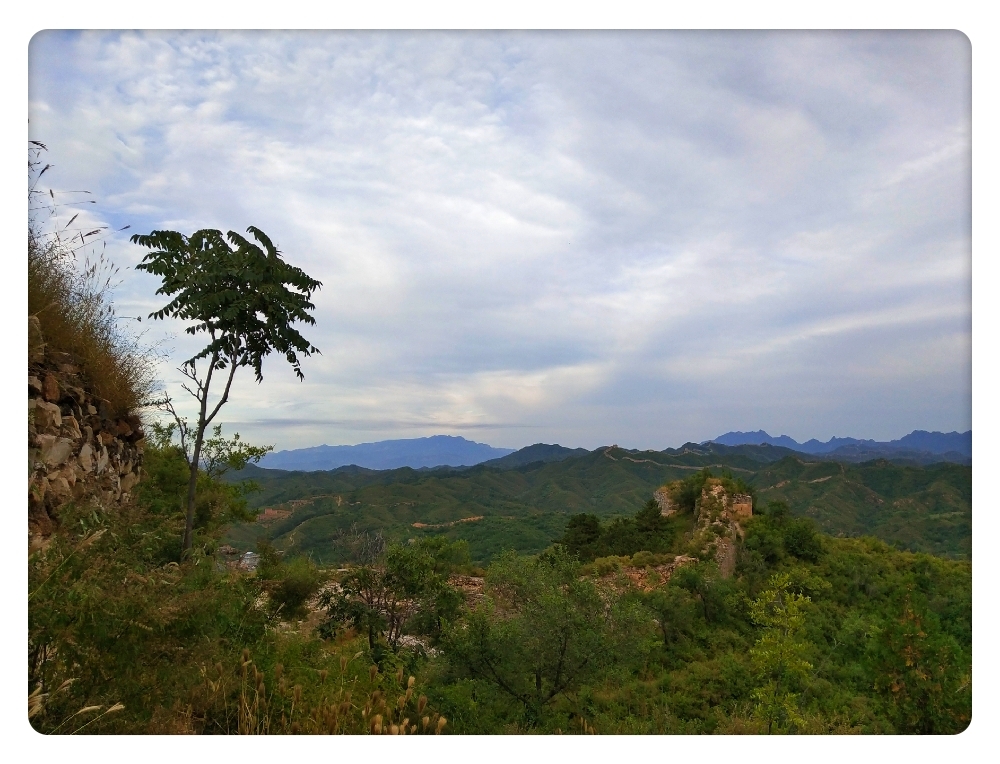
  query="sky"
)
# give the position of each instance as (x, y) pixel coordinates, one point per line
(641, 238)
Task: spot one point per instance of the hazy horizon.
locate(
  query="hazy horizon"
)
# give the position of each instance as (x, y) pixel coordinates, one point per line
(609, 443)
(584, 238)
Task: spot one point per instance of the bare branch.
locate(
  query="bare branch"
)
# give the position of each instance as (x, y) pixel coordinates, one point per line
(182, 429)
(225, 393)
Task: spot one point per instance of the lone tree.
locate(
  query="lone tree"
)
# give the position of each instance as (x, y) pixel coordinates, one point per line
(245, 298)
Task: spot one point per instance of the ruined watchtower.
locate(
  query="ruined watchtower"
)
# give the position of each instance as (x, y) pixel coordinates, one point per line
(742, 505)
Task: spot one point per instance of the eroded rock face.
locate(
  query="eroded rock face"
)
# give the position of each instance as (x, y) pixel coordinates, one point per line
(76, 446)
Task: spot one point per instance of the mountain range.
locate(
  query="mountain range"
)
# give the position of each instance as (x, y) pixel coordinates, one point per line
(526, 506)
(435, 451)
(954, 446)
(920, 447)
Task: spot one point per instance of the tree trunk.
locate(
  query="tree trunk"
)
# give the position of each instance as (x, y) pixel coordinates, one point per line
(192, 486)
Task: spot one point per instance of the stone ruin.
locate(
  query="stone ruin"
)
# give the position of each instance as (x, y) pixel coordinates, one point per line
(718, 517)
(741, 505)
(78, 447)
(663, 500)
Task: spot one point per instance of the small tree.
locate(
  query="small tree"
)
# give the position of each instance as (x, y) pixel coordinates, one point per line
(778, 656)
(407, 587)
(245, 298)
(541, 631)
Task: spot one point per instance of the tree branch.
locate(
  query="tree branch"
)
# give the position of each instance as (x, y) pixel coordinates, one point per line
(225, 393)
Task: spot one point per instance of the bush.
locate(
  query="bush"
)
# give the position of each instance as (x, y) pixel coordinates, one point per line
(604, 565)
(289, 584)
(643, 559)
(802, 540)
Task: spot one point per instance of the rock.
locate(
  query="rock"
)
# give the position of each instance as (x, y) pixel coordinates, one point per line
(123, 429)
(54, 451)
(86, 457)
(75, 394)
(34, 386)
(70, 428)
(59, 490)
(102, 460)
(106, 438)
(91, 410)
(50, 388)
(68, 473)
(128, 481)
(47, 416)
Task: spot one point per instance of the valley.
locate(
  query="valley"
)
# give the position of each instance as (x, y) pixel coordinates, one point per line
(525, 507)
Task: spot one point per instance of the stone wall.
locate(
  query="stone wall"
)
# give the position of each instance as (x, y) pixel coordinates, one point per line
(722, 514)
(664, 501)
(77, 447)
(742, 505)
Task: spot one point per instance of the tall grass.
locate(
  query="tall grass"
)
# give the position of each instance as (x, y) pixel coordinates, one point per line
(71, 302)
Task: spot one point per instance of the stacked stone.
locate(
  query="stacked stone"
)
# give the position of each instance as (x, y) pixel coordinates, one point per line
(77, 447)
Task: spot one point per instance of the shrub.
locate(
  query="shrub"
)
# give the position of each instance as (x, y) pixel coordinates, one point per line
(642, 559)
(289, 584)
(605, 565)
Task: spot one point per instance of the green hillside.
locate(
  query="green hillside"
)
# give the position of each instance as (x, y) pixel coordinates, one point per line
(926, 509)
(526, 507)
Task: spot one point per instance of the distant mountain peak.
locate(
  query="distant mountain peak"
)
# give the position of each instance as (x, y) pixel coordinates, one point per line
(429, 451)
(916, 441)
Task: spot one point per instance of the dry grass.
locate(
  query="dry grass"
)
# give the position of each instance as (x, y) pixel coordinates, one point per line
(76, 317)
(268, 705)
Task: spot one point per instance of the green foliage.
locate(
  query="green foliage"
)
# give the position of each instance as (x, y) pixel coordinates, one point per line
(774, 534)
(922, 673)
(164, 488)
(290, 585)
(648, 531)
(220, 455)
(114, 616)
(541, 631)
(238, 294)
(235, 291)
(404, 589)
(674, 609)
(528, 508)
(777, 656)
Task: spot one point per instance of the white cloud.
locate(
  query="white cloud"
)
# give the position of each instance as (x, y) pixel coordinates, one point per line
(577, 233)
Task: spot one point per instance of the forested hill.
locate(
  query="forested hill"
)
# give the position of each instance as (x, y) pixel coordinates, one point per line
(526, 507)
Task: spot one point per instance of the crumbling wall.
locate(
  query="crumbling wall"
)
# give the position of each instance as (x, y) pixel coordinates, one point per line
(741, 505)
(77, 447)
(718, 517)
(664, 501)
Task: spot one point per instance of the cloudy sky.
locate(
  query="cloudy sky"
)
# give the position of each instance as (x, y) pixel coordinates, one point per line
(584, 238)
